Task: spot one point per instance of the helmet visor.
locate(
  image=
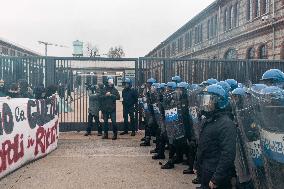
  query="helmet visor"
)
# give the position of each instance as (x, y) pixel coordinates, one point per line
(207, 102)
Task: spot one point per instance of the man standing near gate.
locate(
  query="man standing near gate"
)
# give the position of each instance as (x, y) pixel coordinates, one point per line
(130, 98)
(109, 98)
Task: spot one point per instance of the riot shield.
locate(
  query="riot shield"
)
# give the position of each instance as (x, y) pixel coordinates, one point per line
(173, 117)
(270, 113)
(249, 158)
(194, 110)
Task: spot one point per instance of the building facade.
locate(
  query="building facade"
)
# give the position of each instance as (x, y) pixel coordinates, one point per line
(10, 49)
(230, 29)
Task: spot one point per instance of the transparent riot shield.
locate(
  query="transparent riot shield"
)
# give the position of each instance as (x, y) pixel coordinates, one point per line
(193, 109)
(173, 117)
(270, 114)
(249, 158)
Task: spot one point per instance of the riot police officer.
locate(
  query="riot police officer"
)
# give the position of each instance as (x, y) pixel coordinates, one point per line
(177, 79)
(217, 143)
(130, 98)
(109, 97)
(233, 83)
(94, 108)
(149, 112)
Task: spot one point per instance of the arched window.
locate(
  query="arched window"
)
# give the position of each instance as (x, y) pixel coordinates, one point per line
(230, 54)
(231, 17)
(236, 16)
(262, 52)
(251, 53)
(249, 10)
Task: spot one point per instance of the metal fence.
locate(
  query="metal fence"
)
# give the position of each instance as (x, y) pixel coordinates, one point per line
(71, 76)
(198, 70)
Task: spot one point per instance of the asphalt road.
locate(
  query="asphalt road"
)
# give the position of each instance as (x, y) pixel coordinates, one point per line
(90, 162)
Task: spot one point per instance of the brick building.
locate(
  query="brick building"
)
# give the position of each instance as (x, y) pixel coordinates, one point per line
(8, 48)
(230, 29)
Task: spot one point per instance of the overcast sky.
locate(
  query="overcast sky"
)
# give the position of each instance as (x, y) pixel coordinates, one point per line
(137, 25)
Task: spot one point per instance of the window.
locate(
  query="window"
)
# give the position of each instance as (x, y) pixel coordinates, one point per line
(249, 10)
(12, 52)
(196, 35)
(208, 29)
(257, 8)
(231, 17)
(265, 6)
(262, 52)
(282, 51)
(235, 16)
(174, 46)
(250, 53)
(231, 54)
(215, 25)
(180, 45)
(186, 41)
(200, 33)
(190, 39)
(225, 19)
(163, 53)
(168, 51)
(5, 51)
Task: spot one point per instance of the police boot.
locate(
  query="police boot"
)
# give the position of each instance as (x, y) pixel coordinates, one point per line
(133, 133)
(105, 136)
(124, 133)
(168, 165)
(114, 137)
(87, 134)
(146, 142)
(100, 131)
(142, 139)
(154, 151)
(188, 171)
(159, 156)
(196, 181)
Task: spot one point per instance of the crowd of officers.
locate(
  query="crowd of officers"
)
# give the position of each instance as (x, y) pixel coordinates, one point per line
(204, 138)
(195, 122)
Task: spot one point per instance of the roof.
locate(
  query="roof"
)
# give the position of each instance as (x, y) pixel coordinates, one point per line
(19, 47)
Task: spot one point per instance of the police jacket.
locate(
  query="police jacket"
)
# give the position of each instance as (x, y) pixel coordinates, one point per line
(217, 147)
(109, 102)
(130, 97)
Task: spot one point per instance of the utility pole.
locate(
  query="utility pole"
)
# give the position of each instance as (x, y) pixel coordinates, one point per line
(49, 44)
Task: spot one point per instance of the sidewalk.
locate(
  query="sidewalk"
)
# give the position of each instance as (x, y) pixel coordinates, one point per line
(93, 163)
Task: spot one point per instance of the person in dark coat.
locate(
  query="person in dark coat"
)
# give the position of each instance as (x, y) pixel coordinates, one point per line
(109, 97)
(14, 91)
(3, 92)
(130, 98)
(217, 143)
(94, 109)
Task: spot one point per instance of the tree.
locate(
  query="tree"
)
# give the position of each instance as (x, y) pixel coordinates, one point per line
(116, 52)
(92, 51)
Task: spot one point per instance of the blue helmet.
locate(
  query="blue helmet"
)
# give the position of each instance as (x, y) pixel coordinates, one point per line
(183, 85)
(210, 81)
(239, 91)
(225, 86)
(273, 74)
(233, 83)
(217, 90)
(109, 77)
(176, 79)
(172, 85)
(155, 85)
(151, 80)
(162, 86)
(127, 80)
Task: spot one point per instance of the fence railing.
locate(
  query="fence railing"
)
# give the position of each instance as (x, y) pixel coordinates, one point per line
(198, 70)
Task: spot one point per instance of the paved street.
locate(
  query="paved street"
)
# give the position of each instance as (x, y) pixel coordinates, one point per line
(89, 162)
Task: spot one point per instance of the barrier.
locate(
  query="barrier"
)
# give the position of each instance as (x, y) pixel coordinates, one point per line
(29, 130)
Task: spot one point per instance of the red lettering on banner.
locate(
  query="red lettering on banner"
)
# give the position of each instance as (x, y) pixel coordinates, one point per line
(11, 152)
(44, 138)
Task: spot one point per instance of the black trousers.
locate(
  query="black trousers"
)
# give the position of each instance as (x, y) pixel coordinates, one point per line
(97, 122)
(129, 111)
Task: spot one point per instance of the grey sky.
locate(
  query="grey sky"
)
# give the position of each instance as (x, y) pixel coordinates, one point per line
(137, 25)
